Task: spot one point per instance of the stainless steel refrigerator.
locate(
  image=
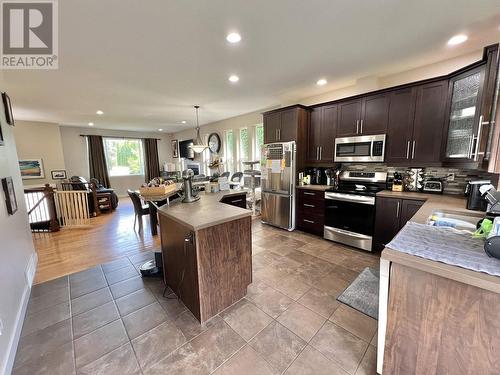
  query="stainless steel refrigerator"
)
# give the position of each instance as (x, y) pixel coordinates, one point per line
(278, 185)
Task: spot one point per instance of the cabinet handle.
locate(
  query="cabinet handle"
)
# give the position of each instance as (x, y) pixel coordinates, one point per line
(413, 150)
(361, 126)
(357, 126)
(408, 149)
(471, 146)
(307, 193)
(320, 152)
(279, 134)
(309, 205)
(308, 221)
(478, 138)
(397, 209)
(317, 152)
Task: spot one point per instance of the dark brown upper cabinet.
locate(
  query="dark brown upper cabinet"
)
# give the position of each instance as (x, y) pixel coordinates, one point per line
(363, 116)
(464, 117)
(349, 118)
(321, 134)
(415, 126)
(374, 114)
(400, 127)
(470, 129)
(285, 125)
(428, 124)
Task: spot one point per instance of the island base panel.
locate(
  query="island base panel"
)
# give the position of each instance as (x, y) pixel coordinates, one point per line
(426, 315)
(209, 269)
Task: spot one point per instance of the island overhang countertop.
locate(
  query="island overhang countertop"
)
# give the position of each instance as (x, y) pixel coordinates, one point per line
(207, 211)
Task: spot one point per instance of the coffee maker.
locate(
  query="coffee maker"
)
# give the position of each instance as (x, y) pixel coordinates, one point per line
(475, 200)
(318, 175)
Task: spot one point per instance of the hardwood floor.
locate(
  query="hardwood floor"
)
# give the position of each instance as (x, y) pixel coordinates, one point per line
(110, 237)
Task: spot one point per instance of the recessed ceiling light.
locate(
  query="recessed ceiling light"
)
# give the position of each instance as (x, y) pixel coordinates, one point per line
(160, 130)
(234, 78)
(233, 37)
(91, 124)
(183, 121)
(457, 39)
(321, 82)
(99, 112)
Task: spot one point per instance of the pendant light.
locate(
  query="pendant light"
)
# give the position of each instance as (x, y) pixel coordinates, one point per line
(198, 145)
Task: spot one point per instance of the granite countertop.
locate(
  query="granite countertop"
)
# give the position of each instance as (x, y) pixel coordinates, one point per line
(207, 211)
(315, 187)
(450, 204)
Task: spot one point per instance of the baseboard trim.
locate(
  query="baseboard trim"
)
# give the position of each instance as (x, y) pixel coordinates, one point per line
(14, 339)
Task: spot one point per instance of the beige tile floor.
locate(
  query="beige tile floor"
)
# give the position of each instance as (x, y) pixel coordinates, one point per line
(108, 320)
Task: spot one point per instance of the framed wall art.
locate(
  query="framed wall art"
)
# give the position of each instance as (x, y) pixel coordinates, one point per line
(31, 168)
(10, 195)
(58, 174)
(175, 148)
(8, 109)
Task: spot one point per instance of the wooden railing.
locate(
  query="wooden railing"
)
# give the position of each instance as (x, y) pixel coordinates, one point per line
(41, 206)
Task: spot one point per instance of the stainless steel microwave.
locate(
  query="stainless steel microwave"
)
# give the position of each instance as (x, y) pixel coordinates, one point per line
(365, 148)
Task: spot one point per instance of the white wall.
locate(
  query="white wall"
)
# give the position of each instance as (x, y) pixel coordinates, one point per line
(40, 140)
(76, 157)
(16, 251)
(244, 121)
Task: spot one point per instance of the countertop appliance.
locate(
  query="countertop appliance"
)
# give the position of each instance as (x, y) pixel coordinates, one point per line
(350, 208)
(318, 175)
(475, 200)
(189, 197)
(433, 185)
(278, 185)
(366, 148)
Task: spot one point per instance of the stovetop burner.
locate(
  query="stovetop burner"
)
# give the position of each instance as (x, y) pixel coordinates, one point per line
(360, 183)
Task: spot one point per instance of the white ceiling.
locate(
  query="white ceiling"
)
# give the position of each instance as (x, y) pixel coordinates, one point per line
(145, 63)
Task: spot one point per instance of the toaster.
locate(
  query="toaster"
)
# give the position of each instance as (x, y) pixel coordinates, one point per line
(433, 186)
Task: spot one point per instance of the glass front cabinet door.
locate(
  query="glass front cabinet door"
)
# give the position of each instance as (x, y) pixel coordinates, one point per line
(464, 116)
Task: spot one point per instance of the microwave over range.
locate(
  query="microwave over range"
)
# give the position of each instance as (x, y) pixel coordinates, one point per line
(366, 148)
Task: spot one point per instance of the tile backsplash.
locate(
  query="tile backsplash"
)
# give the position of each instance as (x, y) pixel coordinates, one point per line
(462, 176)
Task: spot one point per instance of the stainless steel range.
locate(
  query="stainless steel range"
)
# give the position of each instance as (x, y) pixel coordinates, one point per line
(350, 208)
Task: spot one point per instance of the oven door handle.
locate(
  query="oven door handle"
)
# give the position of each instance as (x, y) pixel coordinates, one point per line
(359, 199)
(349, 233)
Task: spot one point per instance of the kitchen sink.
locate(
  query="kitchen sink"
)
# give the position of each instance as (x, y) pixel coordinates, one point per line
(453, 219)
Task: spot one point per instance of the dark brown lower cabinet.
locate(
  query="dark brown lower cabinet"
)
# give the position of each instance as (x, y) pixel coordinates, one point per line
(310, 211)
(391, 214)
(239, 200)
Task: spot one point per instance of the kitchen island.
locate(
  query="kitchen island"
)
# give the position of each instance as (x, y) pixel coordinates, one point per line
(207, 251)
(436, 317)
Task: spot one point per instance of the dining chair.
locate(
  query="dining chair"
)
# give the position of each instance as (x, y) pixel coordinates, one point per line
(139, 209)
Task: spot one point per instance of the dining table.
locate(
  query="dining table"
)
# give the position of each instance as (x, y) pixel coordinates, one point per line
(156, 201)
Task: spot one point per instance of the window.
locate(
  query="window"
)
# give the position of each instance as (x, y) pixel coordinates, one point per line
(244, 148)
(229, 151)
(124, 157)
(259, 141)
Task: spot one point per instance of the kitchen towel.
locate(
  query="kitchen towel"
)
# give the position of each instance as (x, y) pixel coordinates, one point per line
(446, 245)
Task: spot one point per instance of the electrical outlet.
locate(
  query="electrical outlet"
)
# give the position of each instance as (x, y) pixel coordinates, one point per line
(451, 177)
(1, 327)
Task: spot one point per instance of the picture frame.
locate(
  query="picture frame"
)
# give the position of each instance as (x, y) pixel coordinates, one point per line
(58, 174)
(10, 195)
(31, 169)
(8, 109)
(175, 148)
